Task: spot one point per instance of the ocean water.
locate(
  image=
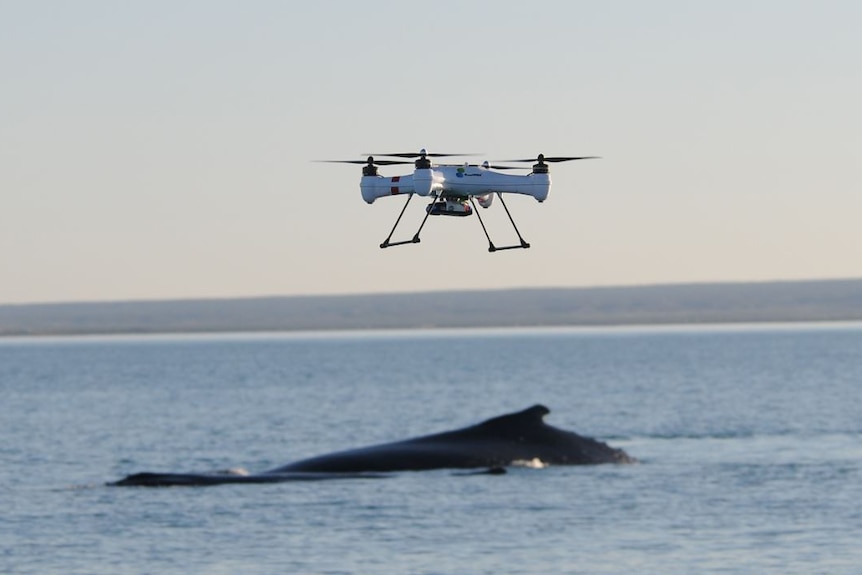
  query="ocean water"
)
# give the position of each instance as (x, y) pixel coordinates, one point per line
(748, 439)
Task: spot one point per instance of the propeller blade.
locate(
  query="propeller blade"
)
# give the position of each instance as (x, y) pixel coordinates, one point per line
(365, 162)
(509, 167)
(492, 167)
(419, 154)
(569, 158)
(553, 159)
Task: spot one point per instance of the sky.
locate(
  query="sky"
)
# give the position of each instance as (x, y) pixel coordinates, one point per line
(166, 149)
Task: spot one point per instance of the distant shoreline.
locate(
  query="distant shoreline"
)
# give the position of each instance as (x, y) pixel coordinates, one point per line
(434, 331)
(652, 305)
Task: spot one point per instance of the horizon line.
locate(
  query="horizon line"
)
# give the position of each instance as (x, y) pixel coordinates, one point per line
(334, 295)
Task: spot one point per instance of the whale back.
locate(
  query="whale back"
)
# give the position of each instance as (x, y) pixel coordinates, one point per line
(495, 443)
(499, 441)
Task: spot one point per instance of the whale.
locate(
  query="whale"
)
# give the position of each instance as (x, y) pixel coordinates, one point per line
(514, 439)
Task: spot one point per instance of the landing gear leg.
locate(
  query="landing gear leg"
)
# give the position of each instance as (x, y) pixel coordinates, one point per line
(524, 244)
(491, 247)
(414, 240)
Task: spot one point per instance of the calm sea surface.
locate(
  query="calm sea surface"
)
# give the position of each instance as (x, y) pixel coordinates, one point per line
(750, 442)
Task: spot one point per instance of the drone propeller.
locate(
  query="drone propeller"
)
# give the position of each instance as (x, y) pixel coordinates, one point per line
(542, 158)
(493, 167)
(420, 154)
(487, 166)
(369, 161)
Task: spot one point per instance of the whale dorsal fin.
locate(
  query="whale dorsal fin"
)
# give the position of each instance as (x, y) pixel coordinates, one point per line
(530, 417)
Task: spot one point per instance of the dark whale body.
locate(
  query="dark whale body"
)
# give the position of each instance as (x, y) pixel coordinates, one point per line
(493, 444)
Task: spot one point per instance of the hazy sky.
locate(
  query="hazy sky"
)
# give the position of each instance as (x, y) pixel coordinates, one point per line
(164, 149)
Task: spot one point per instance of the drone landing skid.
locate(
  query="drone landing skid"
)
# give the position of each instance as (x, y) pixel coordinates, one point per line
(414, 240)
(491, 247)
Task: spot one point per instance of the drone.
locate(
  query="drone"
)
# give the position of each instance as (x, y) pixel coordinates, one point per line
(454, 189)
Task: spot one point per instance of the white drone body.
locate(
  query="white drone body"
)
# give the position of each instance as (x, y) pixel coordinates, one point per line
(457, 181)
(455, 188)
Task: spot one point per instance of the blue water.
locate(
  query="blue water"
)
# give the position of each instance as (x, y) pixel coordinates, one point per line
(748, 437)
